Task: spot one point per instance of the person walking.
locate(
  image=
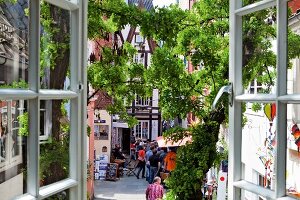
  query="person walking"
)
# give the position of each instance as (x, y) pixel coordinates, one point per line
(141, 163)
(155, 191)
(154, 165)
(149, 153)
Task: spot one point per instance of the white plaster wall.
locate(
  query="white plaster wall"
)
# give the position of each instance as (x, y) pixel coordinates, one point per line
(155, 99)
(154, 129)
(101, 143)
(184, 4)
(12, 188)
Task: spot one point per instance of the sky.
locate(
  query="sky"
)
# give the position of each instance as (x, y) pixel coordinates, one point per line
(161, 3)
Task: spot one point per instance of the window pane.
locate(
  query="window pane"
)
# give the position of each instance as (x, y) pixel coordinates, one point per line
(259, 145)
(19, 117)
(249, 195)
(293, 155)
(3, 131)
(293, 81)
(259, 52)
(55, 47)
(13, 147)
(14, 44)
(53, 167)
(64, 195)
(247, 2)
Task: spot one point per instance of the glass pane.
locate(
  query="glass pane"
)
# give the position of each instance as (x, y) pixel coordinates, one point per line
(293, 155)
(13, 147)
(55, 47)
(248, 2)
(3, 131)
(258, 144)
(259, 52)
(64, 195)
(249, 195)
(54, 168)
(293, 81)
(14, 44)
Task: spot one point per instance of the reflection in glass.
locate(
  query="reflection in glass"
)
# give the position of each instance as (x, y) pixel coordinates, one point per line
(14, 44)
(259, 51)
(293, 154)
(249, 195)
(248, 2)
(13, 140)
(3, 131)
(55, 47)
(259, 145)
(54, 151)
(64, 195)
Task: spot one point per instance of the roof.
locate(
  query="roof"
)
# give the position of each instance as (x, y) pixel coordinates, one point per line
(103, 100)
(148, 4)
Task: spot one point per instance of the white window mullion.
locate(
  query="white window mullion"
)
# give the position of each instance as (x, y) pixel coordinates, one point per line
(33, 150)
(78, 144)
(260, 5)
(235, 112)
(15, 94)
(282, 62)
(57, 94)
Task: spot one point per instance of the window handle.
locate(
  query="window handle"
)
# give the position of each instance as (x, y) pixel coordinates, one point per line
(225, 89)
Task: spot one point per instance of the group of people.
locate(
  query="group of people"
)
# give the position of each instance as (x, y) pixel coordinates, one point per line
(151, 161)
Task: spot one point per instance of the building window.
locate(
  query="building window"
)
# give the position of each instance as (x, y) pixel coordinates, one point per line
(139, 58)
(138, 39)
(142, 130)
(142, 101)
(255, 87)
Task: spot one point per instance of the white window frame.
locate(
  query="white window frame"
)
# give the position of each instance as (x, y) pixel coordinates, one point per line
(255, 86)
(235, 177)
(138, 39)
(76, 183)
(142, 101)
(139, 133)
(139, 59)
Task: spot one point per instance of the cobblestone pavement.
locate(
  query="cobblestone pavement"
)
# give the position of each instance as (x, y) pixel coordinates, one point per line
(126, 188)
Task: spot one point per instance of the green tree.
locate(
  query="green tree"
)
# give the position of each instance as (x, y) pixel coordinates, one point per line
(201, 36)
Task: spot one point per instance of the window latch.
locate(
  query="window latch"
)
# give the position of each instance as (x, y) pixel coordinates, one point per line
(225, 89)
(80, 86)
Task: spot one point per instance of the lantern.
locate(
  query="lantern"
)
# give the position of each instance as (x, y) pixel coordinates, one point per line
(297, 142)
(270, 111)
(296, 134)
(294, 129)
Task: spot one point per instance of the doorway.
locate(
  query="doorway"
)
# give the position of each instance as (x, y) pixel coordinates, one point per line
(126, 140)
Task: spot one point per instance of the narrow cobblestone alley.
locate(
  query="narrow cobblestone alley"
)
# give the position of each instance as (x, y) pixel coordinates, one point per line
(126, 188)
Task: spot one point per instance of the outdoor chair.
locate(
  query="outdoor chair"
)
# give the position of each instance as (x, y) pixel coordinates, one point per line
(131, 166)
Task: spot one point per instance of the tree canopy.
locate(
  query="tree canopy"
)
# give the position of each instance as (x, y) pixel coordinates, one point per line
(199, 35)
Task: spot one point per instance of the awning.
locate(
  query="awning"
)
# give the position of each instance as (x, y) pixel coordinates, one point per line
(169, 143)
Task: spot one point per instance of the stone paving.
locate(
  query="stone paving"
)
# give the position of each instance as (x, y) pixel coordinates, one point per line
(126, 188)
